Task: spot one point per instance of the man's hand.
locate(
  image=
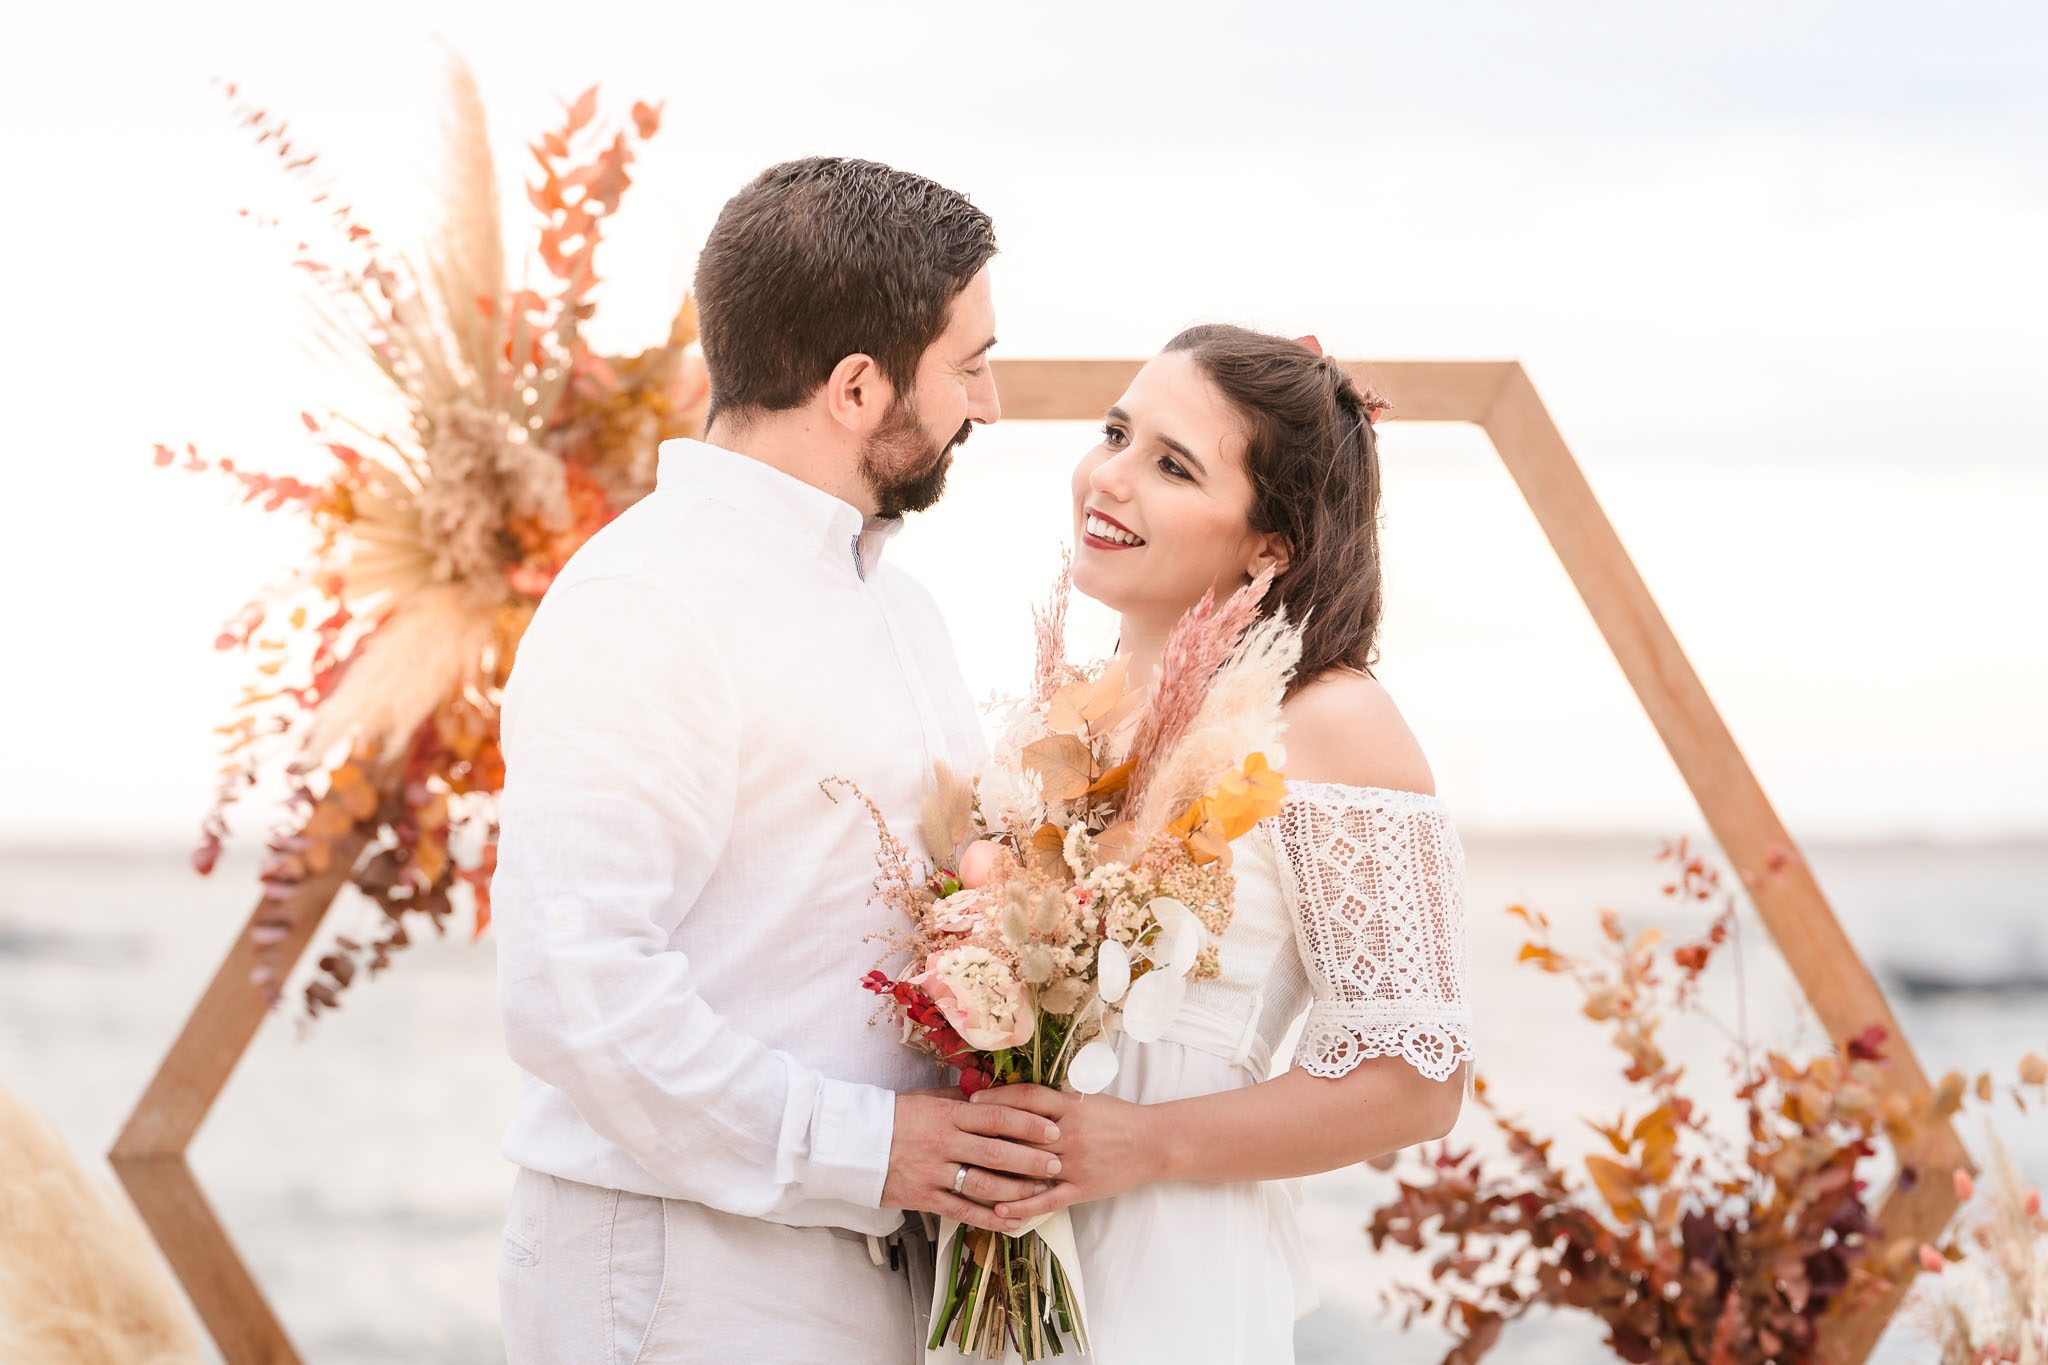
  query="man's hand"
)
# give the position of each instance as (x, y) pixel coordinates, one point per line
(936, 1136)
(1106, 1145)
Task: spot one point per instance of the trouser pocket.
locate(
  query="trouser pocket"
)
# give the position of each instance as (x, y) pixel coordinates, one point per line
(525, 1220)
(637, 1275)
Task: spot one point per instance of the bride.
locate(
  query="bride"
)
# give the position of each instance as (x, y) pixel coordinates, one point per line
(1233, 452)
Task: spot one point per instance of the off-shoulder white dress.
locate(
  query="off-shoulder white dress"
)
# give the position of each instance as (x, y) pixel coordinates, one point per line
(1349, 908)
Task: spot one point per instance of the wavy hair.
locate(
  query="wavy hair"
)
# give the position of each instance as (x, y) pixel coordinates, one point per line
(1314, 465)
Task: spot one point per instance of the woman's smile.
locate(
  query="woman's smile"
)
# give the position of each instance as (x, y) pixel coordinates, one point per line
(1100, 531)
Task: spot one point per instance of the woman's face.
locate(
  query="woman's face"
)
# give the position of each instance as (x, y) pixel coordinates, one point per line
(1162, 505)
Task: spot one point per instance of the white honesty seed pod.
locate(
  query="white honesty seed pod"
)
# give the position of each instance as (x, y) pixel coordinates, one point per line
(1093, 1068)
(1112, 971)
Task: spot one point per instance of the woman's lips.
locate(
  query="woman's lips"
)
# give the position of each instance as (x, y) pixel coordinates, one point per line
(1097, 541)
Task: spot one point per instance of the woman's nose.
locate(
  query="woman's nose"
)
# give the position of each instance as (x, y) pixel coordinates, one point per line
(1111, 477)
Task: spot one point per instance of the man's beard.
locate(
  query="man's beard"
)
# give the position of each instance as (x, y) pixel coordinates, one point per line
(903, 469)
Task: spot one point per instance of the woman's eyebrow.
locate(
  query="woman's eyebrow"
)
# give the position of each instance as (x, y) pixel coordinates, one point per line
(1117, 414)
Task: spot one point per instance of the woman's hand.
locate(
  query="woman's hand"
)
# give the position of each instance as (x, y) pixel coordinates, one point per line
(1106, 1145)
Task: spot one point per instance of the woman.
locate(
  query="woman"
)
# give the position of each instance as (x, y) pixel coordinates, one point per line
(1233, 452)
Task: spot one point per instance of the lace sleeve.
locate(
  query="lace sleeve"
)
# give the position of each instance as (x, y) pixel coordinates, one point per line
(1378, 890)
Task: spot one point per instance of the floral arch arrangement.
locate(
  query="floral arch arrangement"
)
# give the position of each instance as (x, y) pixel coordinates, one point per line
(379, 664)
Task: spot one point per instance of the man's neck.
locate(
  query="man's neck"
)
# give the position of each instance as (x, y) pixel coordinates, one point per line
(804, 446)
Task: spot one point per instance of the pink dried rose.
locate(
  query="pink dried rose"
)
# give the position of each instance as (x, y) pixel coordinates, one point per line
(977, 861)
(963, 912)
(980, 996)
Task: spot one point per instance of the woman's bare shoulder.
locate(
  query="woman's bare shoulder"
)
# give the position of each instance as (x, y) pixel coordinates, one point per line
(1344, 727)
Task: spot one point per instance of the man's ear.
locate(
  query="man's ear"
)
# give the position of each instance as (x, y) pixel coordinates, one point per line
(856, 394)
(1272, 552)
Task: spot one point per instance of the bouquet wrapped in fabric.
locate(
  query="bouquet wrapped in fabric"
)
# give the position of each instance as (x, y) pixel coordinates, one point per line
(1076, 885)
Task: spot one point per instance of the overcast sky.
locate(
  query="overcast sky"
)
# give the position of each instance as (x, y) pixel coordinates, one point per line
(1775, 269)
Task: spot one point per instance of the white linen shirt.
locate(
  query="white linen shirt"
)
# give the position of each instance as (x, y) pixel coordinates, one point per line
(683, 916)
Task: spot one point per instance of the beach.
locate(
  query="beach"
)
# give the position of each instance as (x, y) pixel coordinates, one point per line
(356, 1163)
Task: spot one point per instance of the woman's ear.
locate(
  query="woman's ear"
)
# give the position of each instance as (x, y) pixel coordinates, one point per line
(856, 395)
(1271, 552)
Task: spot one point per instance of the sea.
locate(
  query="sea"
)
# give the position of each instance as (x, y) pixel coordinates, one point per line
(355, 1160)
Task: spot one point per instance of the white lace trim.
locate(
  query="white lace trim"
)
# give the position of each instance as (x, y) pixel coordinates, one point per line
(1334, 1042)
(1377, 882)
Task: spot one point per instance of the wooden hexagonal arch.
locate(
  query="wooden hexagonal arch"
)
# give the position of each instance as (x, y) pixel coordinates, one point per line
(1497, 396)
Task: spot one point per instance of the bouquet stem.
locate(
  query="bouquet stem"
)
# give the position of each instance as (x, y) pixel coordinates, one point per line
(1001, 1292)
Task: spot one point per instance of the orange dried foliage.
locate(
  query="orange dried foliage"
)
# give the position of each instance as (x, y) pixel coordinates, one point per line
(1687, 1243)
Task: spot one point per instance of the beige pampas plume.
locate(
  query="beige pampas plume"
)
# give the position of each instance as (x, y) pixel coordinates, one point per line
(948, 821)
(1238, 716)
(80, 1283)
(1201, 641)
(423, 653)
(1049, 627)
(467, 259)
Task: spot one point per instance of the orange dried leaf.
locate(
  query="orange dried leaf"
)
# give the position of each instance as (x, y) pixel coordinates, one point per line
(1079, 705)
(1616, 1184)
(430, 860)
(1045, 854)
(1063, 764)
(1209, 845)
(1658, 1132)
(1115, 780)
(1616, 1139)
(581, 111)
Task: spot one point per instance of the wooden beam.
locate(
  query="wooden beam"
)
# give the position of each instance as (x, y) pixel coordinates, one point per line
(195, 1243)
(149, 1155)
(1831, 973)
(1420, 390)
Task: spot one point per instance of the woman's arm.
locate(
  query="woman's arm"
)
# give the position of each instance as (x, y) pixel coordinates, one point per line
(1295, 1124)
(1342, 728)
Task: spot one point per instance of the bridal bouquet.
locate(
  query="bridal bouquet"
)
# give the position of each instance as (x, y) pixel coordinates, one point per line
(1076, 885)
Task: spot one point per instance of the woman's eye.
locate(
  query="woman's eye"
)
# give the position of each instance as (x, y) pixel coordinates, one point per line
(1173, 469)
(1113, 434)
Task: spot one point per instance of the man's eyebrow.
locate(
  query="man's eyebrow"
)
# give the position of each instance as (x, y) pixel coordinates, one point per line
(986, 347)
(1116, 414)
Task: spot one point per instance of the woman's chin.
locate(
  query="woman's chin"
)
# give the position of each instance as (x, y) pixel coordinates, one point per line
(1095, 580)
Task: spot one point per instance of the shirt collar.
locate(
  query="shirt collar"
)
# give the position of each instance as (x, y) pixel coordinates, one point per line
(781, 503)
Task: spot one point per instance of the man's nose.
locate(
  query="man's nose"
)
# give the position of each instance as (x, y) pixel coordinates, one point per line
(986, 406)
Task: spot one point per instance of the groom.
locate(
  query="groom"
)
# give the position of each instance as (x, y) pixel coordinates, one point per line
(714, 1142)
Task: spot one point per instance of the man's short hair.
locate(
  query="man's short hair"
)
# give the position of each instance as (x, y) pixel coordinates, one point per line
(824, 258)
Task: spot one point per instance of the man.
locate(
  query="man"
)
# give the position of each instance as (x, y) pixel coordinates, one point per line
(714, 1140)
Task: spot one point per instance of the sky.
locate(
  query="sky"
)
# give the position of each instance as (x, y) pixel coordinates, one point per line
(1775, 270)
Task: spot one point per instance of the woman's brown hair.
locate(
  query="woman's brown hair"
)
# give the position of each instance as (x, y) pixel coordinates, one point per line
(1315, 472)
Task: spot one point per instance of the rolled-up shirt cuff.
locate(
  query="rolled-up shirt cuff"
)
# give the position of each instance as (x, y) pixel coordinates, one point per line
(847, 1155)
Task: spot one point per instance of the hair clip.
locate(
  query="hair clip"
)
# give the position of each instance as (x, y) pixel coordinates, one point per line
(1310, 343)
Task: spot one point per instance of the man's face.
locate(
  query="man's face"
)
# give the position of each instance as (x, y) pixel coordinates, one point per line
(905, 460)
